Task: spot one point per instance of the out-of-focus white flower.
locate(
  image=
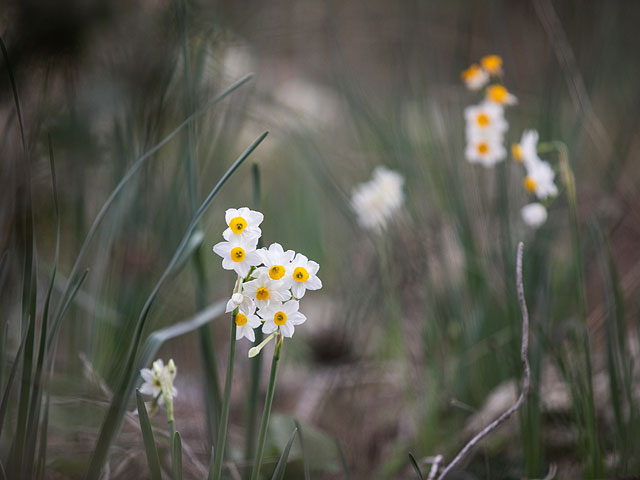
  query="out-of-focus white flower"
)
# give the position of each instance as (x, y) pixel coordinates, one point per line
(242, 302)
(283, 316)
(500, 95)
(158, 379)
(245, 325)
(475, 77)
(238, 254)
(242, 223)
(492, 64)
(486, 150)
(539, 180)
(266, 290)
(277, 262)
(304, 276)
(534, 214)
(526, 151)
(485, 119)
(377, 200)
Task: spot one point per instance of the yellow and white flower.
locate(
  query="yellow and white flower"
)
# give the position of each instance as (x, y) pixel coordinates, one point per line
(281, 316)
(157, 379)
(485, 119)
(526, 151)
(264, 290)
(539, 180)
(277, 262)
(534, 214)
(492, 64)
(304, 276)
(475, 77)
(376, 201)
(486, 150)
(500, 95)
(245, 323)
(238, 254)
(242, 302)
(242, 223)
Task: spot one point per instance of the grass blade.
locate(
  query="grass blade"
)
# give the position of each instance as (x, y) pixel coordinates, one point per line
(153, 460)
(343, 460)
(176, 457)
(7, 390)
(415, 466)
(305, 463)
(278, 473)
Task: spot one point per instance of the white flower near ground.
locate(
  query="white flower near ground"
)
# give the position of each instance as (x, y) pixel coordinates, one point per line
(475, 77)
(500, 95)
(245, 325)
(486, 150)
(282, 316)
(534, 214)
(277, 261)
(264, 290)
(238, 254)
(242, 223)
(539, 180)
(304, 276)
(242, 302)
(376, 201)
(485, 119)
(157, 378)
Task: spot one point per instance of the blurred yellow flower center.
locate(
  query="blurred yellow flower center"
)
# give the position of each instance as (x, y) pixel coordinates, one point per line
(471, 72)
(237, 224)
(262, 294)
(516, 152)
(530, 184)
(241, 319)
(300, 274)
(280, 318)
(276, 272)
(156, 382)
(483, 148)
(237, 254)
(492, 63)
(483, 119)
(497, 93)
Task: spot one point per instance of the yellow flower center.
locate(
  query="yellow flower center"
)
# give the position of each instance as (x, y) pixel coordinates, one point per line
(237, 254)
(156, 382)
(280, 318)
(300, 274)
(497, 93)
(516, 152)
(530, 184)
(237, 225)
(483, 148)
(262, 294)
(483, 119)
(492, 63)
(241, 319)
(276, 272)
(471, 72)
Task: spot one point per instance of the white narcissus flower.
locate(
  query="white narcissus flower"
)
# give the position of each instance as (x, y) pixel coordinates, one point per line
(475, 77)
(539, 180)
(242, 302)
(242, 223)
(376, 201)
(276, 261)
(156, 378)
(265, 290)
(500, 95)
(304, 276)
(527, 150)
(245, 325)
(492, 64)
(485, 149)
(534, 214)
(282, 316)
(238, 254)
(485, 118)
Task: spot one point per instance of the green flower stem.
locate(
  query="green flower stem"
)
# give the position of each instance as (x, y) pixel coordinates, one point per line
(224, 414)
(266, 413)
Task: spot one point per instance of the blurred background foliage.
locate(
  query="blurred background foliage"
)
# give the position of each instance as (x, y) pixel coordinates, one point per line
(414, 338)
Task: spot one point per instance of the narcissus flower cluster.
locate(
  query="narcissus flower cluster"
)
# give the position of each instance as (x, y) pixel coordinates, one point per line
(378, 200)
(485, 122)
(270, 280)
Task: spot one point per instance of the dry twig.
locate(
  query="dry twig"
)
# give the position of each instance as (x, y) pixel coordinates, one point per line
(525, 382)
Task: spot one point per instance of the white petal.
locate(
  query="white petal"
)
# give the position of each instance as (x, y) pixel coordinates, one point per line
(298, 289)
(314, 283)
(269, 327)
(287, 330)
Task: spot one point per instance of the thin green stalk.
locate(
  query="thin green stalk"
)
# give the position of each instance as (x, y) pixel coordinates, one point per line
(224, 415)
(266, 413)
